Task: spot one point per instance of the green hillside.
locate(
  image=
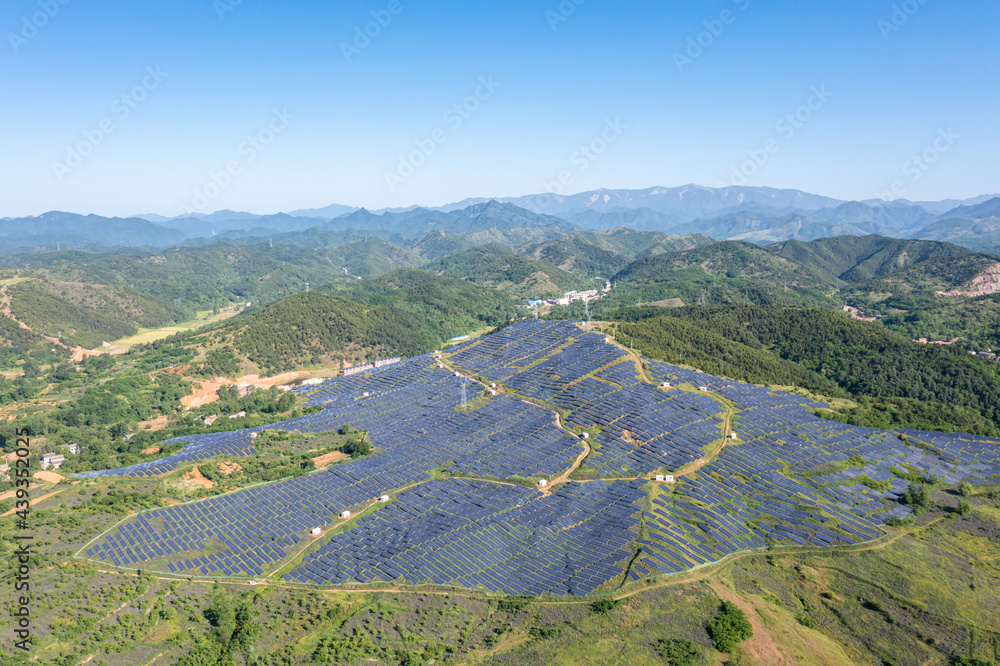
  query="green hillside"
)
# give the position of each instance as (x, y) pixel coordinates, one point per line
(899, 383)
(87, 315)
(982, 235)
(859, 258)
(406, 312)
(731, 272)
(198, 278)
(438, 243)
(497, 266)
(604, 253)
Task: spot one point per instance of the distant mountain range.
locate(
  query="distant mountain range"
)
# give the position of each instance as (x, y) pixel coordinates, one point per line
(760, 215)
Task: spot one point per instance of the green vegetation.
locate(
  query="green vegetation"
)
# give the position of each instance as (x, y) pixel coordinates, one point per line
(729, 628)
(84, 315)
(497, 266)
(604, 253)
(679, 652)
(895, 382)
(403, 313)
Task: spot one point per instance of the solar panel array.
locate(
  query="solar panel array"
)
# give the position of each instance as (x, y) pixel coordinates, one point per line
(791, 478)
(200, 447)
(499, 538)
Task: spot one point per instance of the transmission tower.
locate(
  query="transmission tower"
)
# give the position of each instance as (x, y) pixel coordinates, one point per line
(464, 397)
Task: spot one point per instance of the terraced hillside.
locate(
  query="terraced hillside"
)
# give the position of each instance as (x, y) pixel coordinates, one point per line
(464, 507)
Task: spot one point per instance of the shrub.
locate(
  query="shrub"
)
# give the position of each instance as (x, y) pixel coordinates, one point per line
(678, 652)
(729, 628)
(604, 606)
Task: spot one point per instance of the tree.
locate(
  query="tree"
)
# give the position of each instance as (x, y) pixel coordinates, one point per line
(918, 499)
(964, 508)
(965, 489)
(604, 606)
(729, 628)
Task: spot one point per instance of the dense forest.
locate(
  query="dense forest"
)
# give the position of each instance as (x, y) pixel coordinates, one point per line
(943, 387)
(498, 266)
(403, 313)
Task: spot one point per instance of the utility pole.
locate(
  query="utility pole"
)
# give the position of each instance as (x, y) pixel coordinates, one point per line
(464, 398)
(307, 287)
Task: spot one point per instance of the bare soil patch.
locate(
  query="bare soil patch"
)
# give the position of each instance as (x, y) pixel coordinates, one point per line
(329, 458)
(195, 476)
(228, 468)
(50, 477)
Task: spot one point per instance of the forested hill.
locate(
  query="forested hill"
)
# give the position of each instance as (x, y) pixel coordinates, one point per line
(85, 314)
(198, 278)
(730, 272)
(604, 253)
(498, 266)
(898, 383)
(406, 312)
(859, 258)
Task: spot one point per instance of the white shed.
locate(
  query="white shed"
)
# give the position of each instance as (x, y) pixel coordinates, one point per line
(703, 389)
(733, 435)
(661, 477)
(666, 384)
(585, 435)
(543, 483)
(315, 531)
(345, 514)
(383, 498)
(669, 478)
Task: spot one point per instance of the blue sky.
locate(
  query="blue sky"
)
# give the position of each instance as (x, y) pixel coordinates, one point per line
(258, 106)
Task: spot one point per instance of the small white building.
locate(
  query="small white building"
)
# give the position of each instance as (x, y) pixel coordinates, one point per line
(253, 435)
(73, 448)
(585, 435)
(668, 478)
(315, 531)
(666, 385)
(703, 389)
(345, 514)
(312, 382)
(383, 498)
(543, 483)
(365, 394)
(53, 460)
(661, 478)
(733, 435)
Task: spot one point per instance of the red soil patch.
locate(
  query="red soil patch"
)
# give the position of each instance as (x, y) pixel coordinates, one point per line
(195, 476)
